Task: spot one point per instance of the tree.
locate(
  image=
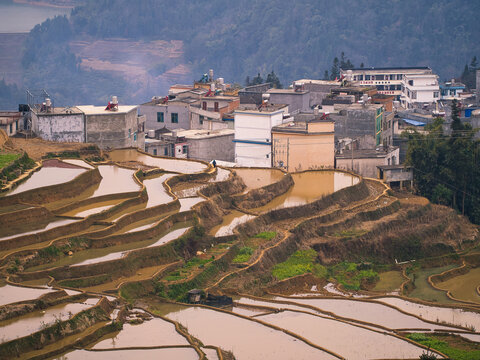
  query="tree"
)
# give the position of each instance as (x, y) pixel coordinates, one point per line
(326, 76)
(247, 81)
(361, 65)
(335, 71)
(257, 80)
(273, 78)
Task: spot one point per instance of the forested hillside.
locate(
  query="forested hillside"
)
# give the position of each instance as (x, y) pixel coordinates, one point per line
(240, 38)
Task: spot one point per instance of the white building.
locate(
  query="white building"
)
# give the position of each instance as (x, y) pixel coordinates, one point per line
(419, 88)
(388, 80)
(253, 133)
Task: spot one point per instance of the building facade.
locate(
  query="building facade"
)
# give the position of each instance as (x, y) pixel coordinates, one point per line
(59, 124)
(253, 133)
(388, 80)
(10, 122)
(298, 146)
(419, 88)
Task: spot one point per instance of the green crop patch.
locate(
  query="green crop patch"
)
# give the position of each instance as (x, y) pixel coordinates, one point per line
(244, 255)
(458, 350)
(267, 235)
(301, 262)
(7, 159)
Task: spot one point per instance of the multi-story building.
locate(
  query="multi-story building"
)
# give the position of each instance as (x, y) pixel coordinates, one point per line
(303, 145)
(10, 121)
(451, 90)
(419, 88)
(213, 112)
(388, 80)
(253, 133)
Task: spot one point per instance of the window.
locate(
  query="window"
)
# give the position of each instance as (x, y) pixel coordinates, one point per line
(16, 125)
(204, 105)
(11, 128)
(165, 151)
(360, 77)
(160, 117)
(379, 77)
(410, 82)
(135, 136)
(215, 106)
(174, 118)
(367, 77)
(414, 94)
(435, 94)
(392, 77)
(129, 133)
(154, 151)
(201, 119)
(184, 149)
(399, 76)
(380, 87)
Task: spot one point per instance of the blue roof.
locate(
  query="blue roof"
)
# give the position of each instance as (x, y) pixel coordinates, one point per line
(414, 122)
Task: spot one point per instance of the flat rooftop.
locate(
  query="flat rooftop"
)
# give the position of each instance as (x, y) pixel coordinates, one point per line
(100, 110)
(319, 82)
(202, 134)
(287, 91)
(390, 68)
(60, 111)
(270, 108)
(365, 153)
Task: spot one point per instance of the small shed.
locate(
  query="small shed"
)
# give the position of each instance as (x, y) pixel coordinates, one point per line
(395, 175)
(195, 296)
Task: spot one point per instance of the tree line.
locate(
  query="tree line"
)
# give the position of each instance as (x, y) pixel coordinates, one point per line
(446, 167)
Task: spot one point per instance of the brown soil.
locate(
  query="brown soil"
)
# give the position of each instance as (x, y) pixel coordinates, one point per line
(36, 147)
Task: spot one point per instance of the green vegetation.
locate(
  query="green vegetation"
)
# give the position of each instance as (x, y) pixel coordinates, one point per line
(457, 353)
(64, 154)
(353, 276)
(267, 235)
(349, 234)
(15, 169)
(6, 159)
(86, 281)
(447, 168)
(244, 255)
(301, 262)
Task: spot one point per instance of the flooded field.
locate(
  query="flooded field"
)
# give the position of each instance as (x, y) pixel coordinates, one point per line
(37, 320)
(424, 291)
(47, 176)
(308, 187)
(127, 354)
(222, 175)
(78, 162)
(389, 281)
(11, 294)
(463, 287)
(230, 222)
(56, 223)
(115, 180)
(167, 164)
(85, 211)
(157, 193)
(257, 178)
(242, 336)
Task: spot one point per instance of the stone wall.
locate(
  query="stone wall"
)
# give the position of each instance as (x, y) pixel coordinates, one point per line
(61, 127)
(219, 148)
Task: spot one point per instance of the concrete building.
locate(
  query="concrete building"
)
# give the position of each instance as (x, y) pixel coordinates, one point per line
(10, 122)
(395, 175)
(419, 89)
(318, 89)
(213, 112)
(297, 98)
(113, 129)
(193, 144)
(366, 161)
(451, 90)
(357, 120)
(253, 138)
(253, 94)
(62, 124)
(388, 80)
(303, 145)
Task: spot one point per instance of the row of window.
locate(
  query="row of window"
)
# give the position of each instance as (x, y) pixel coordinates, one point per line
(389, 87)
(173, 117)
(378, 77)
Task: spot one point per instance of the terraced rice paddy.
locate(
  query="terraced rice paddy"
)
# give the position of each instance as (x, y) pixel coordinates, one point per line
(178, 253)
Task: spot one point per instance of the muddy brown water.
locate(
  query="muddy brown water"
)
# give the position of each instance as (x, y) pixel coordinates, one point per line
(167, 164)
(115, 180)
(93, 256)
(56, 223)
(78, 162)
(157, 192)
(257, 178)
(85, 211)
(154, 332)
(439, 314)
(222, 175)
(464, 286)
(172, 235)
(245, 338)
(347, 340)
(189, 202)
(37, 320)
(47, 176)
(11, 294)
(308, 187)
(144, 354)
(230, 222)
(371, 312)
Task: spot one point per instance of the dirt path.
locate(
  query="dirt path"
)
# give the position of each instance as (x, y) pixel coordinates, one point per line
(36, 147)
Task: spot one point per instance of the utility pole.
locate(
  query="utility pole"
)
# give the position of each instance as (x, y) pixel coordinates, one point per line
(351, 146)
(288, 151)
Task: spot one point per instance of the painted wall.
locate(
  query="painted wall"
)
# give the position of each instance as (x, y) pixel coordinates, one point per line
(150, 111)
(207, 149)
(61, 128)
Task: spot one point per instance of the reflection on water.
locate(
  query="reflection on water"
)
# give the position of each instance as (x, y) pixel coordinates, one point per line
(246, 339)
(436, 313)
(10, 294)
(334, 335)
(154, 332)
(78, 162)
(47, 176)
(49, 226)
(35, 321)
(167, 164)
(157, 193)
(172, 235)
(308, 187)
(115, 180)
(257, 178)
(187, 203)
(144, 354)
(222, 175)
(230, 222)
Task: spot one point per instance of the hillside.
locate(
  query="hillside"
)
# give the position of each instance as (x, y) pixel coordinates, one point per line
(295, 39)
